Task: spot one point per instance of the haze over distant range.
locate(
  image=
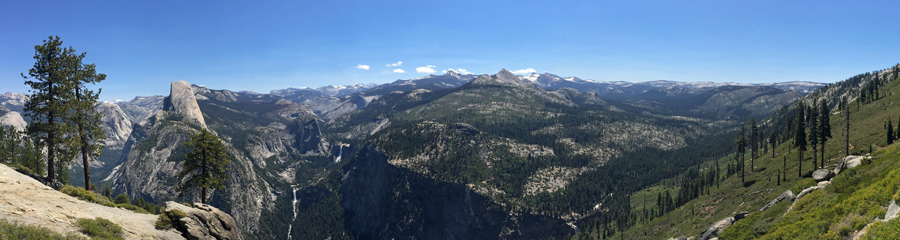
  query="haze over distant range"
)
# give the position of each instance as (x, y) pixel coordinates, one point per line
(265, 46)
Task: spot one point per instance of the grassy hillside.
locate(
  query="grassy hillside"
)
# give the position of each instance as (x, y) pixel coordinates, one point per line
(853, 199)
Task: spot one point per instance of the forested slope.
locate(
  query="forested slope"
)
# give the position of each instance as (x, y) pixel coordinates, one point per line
(850, 201)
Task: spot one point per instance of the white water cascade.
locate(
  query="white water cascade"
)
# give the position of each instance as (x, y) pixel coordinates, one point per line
(294, 206)
(340, 152)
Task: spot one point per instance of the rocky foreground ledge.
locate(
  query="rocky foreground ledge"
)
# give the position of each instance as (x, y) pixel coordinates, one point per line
(204, 222)
(27, 201)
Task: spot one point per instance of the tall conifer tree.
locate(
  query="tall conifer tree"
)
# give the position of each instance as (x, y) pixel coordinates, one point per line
(205, 166)
(824, 126)
(890, 132)
(847, 128)
(800, 138)
(52, 90)
(754, 142)
(813, 136)
(84, 118)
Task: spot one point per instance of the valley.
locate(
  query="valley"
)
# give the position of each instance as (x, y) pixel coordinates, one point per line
(443, 156)
(358, 120)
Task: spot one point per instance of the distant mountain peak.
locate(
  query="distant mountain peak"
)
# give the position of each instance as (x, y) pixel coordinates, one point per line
(504, 74)
(503, 78)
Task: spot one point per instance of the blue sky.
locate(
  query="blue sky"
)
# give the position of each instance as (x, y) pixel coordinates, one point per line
(262, 45)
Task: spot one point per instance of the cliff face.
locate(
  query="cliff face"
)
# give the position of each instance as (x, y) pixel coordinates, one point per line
(308, 137)
(140, 109)
(375, 192)
(115, 123)
(262, 136)
(182, 100)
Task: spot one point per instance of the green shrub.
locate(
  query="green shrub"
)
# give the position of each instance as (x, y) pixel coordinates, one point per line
(21, 168)
(883, 230)
(107, 192)
(166, 220)
(163, 222)
(10, 230)
(86, 195)
(176, 214)
(803, 184)
(133, 208)
(100, 228)
(122, 198)
(150, 207)
(742, 229)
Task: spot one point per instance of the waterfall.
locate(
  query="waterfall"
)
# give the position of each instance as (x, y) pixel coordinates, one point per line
(294, 205)
(340, 152)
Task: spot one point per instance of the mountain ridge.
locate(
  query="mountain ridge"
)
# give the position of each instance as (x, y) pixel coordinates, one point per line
(537, 146)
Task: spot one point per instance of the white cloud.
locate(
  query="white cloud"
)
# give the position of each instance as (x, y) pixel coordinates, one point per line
(396, 64)
(458, 70)
(524, 71)
(363, 67)
(399, 71)
(426, 69)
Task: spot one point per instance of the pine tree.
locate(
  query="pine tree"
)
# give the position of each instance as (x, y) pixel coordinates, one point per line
(737, 150)
(754, 140)
(858, 101)
(205, 165)
(824, 127)
(847, 129)
(784, 168)
(890, 132)
(717, 173)
(32, 155)
(773, 140)
(85, 118)
(659, 204)
(741, 149)
(800, 139)
(813, 133)
(9, 144)
(52, 88)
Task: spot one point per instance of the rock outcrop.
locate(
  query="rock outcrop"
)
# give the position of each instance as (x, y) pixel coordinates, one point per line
(181, 100)
(308, 137)
(115, 123)
(822, 175)
(849, 162)
(204, 222)
(27, 201)
(11, 118)
(892, 212)
(805, 191)
(140, 109)
(716, 228)
(13, 101)
(785, 196)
